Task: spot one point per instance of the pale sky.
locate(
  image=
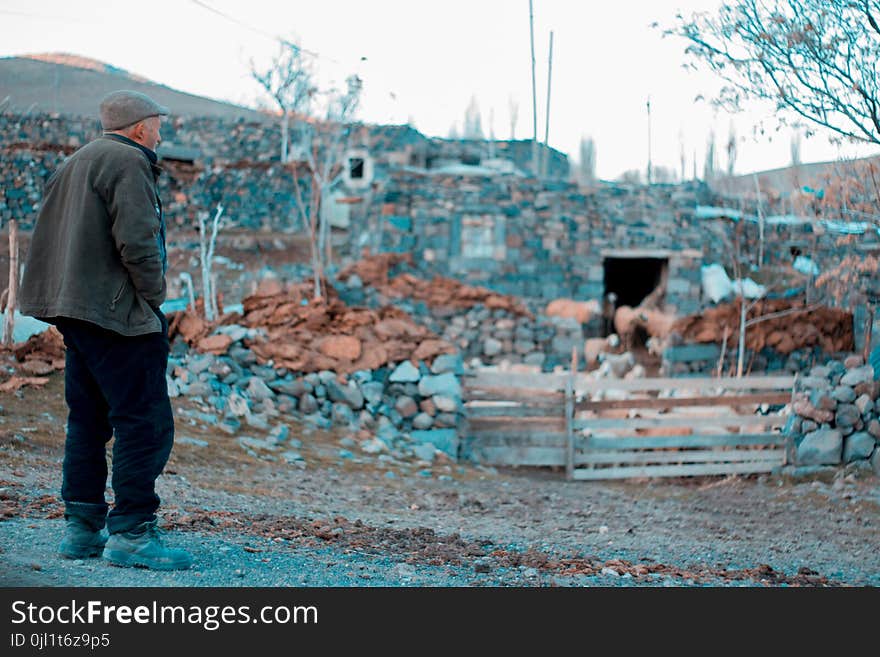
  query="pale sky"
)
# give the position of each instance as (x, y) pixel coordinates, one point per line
(424, 62)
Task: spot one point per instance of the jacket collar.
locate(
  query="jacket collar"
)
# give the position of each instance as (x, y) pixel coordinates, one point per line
(150, 154)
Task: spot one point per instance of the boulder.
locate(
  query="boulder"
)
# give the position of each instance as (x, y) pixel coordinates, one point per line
(447, 404)
(844, 394)
(491, 347)
(864, 374)
(822, 447)
(448, 363)
(258, 390)
(446, 440)
(857, 446)
(847, 415)
(406, 406)
(422, 421)
(443, 384)
(406, 372)
(308, 404)
(372, 392)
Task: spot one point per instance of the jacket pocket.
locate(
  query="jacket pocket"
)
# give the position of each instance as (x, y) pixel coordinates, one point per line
(119, 294)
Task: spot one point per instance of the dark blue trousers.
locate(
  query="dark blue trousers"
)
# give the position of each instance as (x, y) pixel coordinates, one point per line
(115, 386)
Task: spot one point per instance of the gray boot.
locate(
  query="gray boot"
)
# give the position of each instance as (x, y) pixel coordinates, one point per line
(142, 546)
(81, 540)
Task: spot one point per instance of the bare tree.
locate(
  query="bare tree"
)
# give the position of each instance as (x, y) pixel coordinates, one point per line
(796, 148)
(513, 111)
(588, 160)
(709, 163)
(731, 150)
(326, 143)
(473, 122)
(288, 81)
(813, 59)
(206, 259)
(681, 155)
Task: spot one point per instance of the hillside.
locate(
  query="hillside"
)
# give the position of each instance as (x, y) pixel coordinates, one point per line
(787, 179)
(72, 85)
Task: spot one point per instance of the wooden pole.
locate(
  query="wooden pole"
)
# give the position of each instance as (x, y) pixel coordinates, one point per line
(546, 154)
(534, 94)
(650, 173)
(760, 222)
(9, 323)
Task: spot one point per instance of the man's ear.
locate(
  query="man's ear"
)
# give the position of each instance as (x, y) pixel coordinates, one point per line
(137, 131)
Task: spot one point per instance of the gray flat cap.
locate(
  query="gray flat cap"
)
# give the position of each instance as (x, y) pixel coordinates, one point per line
(120, 109)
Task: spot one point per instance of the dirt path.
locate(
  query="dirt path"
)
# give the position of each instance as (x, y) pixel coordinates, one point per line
(347, 522)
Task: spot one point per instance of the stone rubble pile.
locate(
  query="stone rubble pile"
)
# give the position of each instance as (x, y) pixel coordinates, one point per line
(403, 408)
(836, 415)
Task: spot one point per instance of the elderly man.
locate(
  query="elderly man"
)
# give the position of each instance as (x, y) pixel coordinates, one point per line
(96, 269)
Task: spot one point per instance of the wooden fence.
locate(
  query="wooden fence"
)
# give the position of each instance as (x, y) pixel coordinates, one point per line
(658, 427)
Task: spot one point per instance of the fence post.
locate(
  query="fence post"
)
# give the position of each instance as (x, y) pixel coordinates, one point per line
(569, 416)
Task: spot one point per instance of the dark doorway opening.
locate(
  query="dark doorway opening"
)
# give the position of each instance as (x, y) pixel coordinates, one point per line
(630, 280)
(356, 167)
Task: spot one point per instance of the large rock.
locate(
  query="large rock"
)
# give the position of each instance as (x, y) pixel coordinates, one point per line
(341, 414)
(442, 384)
(372, 392)
(446, 440)
(864, 374)
(491, 347)
(822, 447)
(825, 402)
(844, 394)
(406, 372)
(257, 389)
(425, 452)
(814, 383)
(422, 421)
(864, 404)
(447, 404)
(847, 415)
(348, 394)
(805, 409)
(448, 363)
(875, 461)
(857, 446)
(294, 388)
(308, 404)
(406, 406)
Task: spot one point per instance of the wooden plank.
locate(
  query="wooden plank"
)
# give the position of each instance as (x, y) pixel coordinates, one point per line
(645, 442)
(689, 470)
(541, 397)
(686, 456)
(511, 411)
(678, 402)
(519, 434)
(519, 455)
(544, 381)
(522, 424)
(625, 423)
(586, 383)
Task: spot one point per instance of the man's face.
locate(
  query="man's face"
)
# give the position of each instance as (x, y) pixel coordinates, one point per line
(147, 132)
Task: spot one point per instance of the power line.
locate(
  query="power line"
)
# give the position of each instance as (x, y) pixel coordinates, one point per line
(256, 30)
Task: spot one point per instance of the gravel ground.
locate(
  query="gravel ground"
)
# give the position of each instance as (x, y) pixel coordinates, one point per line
(257, 521)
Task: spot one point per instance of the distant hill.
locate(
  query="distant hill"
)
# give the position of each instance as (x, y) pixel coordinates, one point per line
(73, 85)
(787, 179)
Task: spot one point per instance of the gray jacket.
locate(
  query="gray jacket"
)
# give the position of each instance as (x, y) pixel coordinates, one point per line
(98, 248)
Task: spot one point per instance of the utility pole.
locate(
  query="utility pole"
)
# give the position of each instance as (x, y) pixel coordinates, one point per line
(534, 94)
(547, 117)
(649, 140)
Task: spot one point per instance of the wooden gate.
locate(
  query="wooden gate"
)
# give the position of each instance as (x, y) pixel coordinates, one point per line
(659, 427)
